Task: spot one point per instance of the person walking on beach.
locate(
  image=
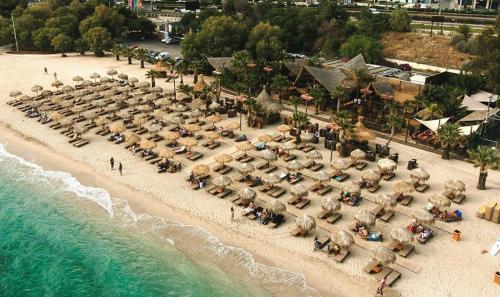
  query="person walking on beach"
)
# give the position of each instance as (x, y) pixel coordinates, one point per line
(55, 76)
(120, 167)
(232, 213)
(381, 286)
(112, 163)
(45, 71)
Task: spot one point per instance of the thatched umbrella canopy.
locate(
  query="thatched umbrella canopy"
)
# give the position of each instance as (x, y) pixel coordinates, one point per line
(401, 235)
(454, 186)
(245, 146)
(55, 116)
(352, 188)
(200, 85)
(78, 79)
(330, 204)
(196, 114)
(223, 158)
(247, 195)
(268, 155)
(440, 200)
(164, 102)
(117, 128)
(46, 93)
(78, 109)
(165, 153)
(357, 155)
(246, 168)
(139, 121)
(170, 135)
(132, 138)
(212, 136)
(25, 98)
(146, 144)
(200, 170)
(288, 146)
(66, 122)
(213, 119)
(176, 120)
(159, 114)
(387, 201)
(387, 165)
(112, 72)
(314, 155)
(422, 216)
(36, 104)
(383, 255)
(214, 106)
(86, 83)
(145, 108)
(188, 142)
(271, 178)
(340, 164)
(154, 128)
(283, 129)
(133, 80)
(197, 103)
(222, 181)
(305, 222)
(265, 138)
(68, 89)
(370, 175)
(95, 76)
(268, 105)
(80, 129)
(36, 89)
(143, 85)
(123, 76)
(232, 126)
(14, 94)
(57, 84)
(125, 89)
(365, 217)
(157, 90)
(67, 104)
(343, 239)
(102, 121)
(56, 100)
(180, 107)
(299, 191)
(322, 176)
(294, 166)
(105, 80)
(419, 175)
(361, 133)
(276, 206)
(193, 128)
(403, 187)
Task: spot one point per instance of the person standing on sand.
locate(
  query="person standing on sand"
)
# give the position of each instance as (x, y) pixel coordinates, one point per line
(120, 167)
(45, 71)
(381, 286)
(232, 213)
(55, 76)
(112, 163)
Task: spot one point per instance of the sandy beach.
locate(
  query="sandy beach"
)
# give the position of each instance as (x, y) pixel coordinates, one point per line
(442, 267)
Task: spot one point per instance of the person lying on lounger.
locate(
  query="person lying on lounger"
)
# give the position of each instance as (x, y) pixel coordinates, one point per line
(317, 244)
(113, 137)
(333, 249)
(426, 233)
(363, 233)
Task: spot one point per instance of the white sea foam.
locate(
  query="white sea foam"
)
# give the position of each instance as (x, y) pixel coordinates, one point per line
(195, 242)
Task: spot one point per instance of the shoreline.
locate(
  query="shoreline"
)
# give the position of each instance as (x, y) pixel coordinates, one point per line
(38, 152)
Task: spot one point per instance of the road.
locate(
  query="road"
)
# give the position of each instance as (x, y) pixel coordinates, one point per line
(152, 44)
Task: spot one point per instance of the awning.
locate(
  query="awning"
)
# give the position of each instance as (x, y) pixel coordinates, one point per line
(468, 130)
(472, 104)
(434, 124)
(483, 96)
(479, 115)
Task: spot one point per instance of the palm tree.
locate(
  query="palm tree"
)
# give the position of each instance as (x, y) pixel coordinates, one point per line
(344, 122)
(279, 84)
(431, 111)
(451, 105)
(300, 119)
(142, 55)
(448, 135)
(340, 93)
(117, 50)
(129, 53)
(295, 101)
(251, 104)
(184, 88)
(152, 74)
(485, 158)
(318, 93)
(195, 66)
(181, 68)
(394, 119)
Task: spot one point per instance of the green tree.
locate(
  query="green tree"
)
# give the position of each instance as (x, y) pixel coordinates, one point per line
(280, 83)
(300, 120)
(340, 93)
(152, 75)
(465, 30)
(185, 88)
(81, 46)
(361, 44)
(343, 120)
(484, 158)
(264, 42)
(141, 54)
(319, 94)
(295, 101)
(41, 39)
(117, 49)
(394, 119)
(98, 39)
(400, 21)
(63, 43)
(220, 36)
(129, 53)
(448, 135)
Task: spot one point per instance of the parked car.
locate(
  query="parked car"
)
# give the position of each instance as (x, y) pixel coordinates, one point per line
(374, 11)
(163, 56)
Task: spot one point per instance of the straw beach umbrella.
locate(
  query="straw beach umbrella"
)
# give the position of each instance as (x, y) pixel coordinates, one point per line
(232, 126)
(112, 72)
(387, 201)
(454, 187)
(46, 93)
(132, 138)
(57, 84)
(123, 76)
(383, 255)
(305, 222)
(422, 216)
(196, 114)
(212, 136)
(283, 129)
(268, 155)
(78, 79)
(357, 155)
(403, 187)
(101, 121)
(440, 200)
(68, 89)
(365, 217)
(343, 239)
(25, 98)
(170, 135)
(265, 138)
(246, 168)
(271, 178)
(213, 119)
(370, 175)
(314, 155)
(55, 116)
(188, 142)
(245, 146)
(387, 165)
(222, 181)
(95, 76)
(15, 94)
(299, 191)
(352, 188)
(288, 146)
(36, 89)
(401, 235)
(276, 206)
(214, 106)
(340, 164)
(133, 80)
(117, 128)
(193, 128)
(156, 90)
(139, 121)
(294, 166)
(223, 158)
(330, 204)
(246, 195)
(146, 144)
(321, 176)
(197, 103)
(419, 175)
(200, 170)
(154, 129)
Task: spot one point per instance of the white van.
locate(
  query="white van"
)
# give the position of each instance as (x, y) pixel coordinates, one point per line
(163, 56)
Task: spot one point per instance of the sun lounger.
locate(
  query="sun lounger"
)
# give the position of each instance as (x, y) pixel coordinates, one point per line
(278, 138)
(394, 246)
(421, 188)
(392, 277)
(278, 193)
(324, 190)
(303, 203)
(237, 201)
(323, 214)
(265, 188)
(378, 211)
(289, 158)
(239, 157)
(262, 165)
(407, 250)
(276, 224)
(308, 149)
(374, 188)
(316, 167)
(355, 203)
(151, 157)
(457, 199)
(315, 187)
(73, 140)
(246, 159)
(56, 126)
(224, 193)
(388, 176)
(342, 177)
(155, 160)
(296, 180)
(340, 257)
(361, 165)
(194, 156)
(407, 200)
(383, 273)
(293, 200)
(334, 218)
(298, 232)
(214, 145)
(225, 170)
(210, 188)
(80, 143)
(388, 214)
(309, 164)
(270, 168)
(372, 267)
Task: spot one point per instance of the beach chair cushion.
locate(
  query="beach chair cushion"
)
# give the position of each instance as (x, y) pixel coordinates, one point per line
(388, 214)
(421, 188)
(407, 250)
(302, 203)
(361, 165)
(334, 218)
(340, 257)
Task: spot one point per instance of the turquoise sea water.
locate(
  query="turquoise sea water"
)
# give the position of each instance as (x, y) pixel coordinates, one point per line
(60, 238)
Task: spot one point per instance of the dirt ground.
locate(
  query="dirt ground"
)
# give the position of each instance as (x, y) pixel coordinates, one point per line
(421, 48)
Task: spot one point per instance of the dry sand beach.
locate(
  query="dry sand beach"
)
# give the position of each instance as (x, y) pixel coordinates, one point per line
(442, 267)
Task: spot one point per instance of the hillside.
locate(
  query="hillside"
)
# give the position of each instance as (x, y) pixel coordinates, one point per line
(421, 48)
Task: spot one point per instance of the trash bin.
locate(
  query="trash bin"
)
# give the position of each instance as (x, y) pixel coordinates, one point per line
(456, 235)
(497, 277)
